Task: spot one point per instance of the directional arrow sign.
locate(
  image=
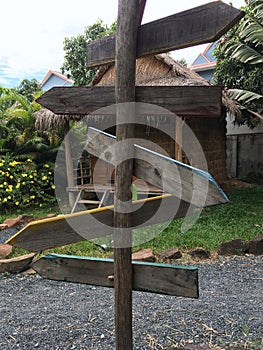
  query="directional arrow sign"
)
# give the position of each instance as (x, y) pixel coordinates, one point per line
(95, 223)
(182, 100)
(147, 277)
(183, 181)
(200, 25)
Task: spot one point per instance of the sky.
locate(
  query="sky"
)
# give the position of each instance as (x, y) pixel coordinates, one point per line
(32, 32)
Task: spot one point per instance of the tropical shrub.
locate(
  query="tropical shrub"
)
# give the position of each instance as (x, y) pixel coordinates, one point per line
(18, 134)
(23, 184)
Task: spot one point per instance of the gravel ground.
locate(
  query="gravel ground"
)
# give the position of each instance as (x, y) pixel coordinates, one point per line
(5, 234)
(38, 313)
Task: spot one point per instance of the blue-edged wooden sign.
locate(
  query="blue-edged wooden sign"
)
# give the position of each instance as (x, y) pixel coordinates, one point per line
(193, 185)
(147, 277)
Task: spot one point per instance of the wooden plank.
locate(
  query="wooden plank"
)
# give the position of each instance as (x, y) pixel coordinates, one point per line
(179, 179)
(148, 277)
(179, 139)
(69, 161)
(181, 100)
(202, 24)
(95, 223)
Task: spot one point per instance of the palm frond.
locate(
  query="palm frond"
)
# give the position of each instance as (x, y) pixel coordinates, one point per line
(19, 112)
(252, 32)
(243, 53)
(4, 91)
(243, 96)
(36, 143)
(258, 9)
(21, 100)
(16, 122)
(243, 99)
(5, 97)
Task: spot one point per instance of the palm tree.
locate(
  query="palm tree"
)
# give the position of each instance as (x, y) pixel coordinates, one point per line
(245, 45)
(23, 140)
(249, 44)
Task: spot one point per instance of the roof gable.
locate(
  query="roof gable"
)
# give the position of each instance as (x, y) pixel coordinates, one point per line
(200, 59)
(206, 59)
(53, 78)
(209, 52)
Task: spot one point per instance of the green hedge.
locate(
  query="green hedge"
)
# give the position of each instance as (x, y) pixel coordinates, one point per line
(23, 184)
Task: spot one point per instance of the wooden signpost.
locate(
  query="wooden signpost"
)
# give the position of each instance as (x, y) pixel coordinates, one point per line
(181, 100)
(199, 25)
(125, 56)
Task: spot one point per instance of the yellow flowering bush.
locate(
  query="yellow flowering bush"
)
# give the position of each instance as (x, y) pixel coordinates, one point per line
(24, 184)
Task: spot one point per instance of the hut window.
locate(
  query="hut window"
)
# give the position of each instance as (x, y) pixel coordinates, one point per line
(83, 171)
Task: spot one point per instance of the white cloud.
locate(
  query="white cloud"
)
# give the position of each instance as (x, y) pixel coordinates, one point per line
(32, 33)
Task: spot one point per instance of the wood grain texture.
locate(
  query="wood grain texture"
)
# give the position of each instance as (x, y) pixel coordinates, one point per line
(202, 24)
(147, 277)
(17, 264)
(181, 100)
(129, 15)
(183, 181)
(95, 223)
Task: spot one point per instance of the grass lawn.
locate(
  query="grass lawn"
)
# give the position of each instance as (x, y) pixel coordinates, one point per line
(241, 218)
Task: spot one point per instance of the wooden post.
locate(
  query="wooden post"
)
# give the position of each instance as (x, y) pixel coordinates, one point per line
(126, 41)
(178, 139)
(69, 163)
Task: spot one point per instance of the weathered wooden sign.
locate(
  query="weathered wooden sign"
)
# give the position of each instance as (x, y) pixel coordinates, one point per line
(200, 25)
(147, 277)
(181, 100)
(193, 185)
(61, 230)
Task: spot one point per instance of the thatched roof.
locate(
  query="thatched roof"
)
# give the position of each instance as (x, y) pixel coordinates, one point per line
(157, 70)
(45, 119)
(154, 70)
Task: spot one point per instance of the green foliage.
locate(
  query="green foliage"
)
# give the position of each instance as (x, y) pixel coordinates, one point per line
(23, 184)
(74, 65)
(239, 63)
(183, 62)
(241, 218)
(19, 136)
(29, 89)
(5, 100)
(247, 98)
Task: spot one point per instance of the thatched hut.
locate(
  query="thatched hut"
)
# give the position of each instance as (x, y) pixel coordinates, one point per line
(158, 70)
(163, 70)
